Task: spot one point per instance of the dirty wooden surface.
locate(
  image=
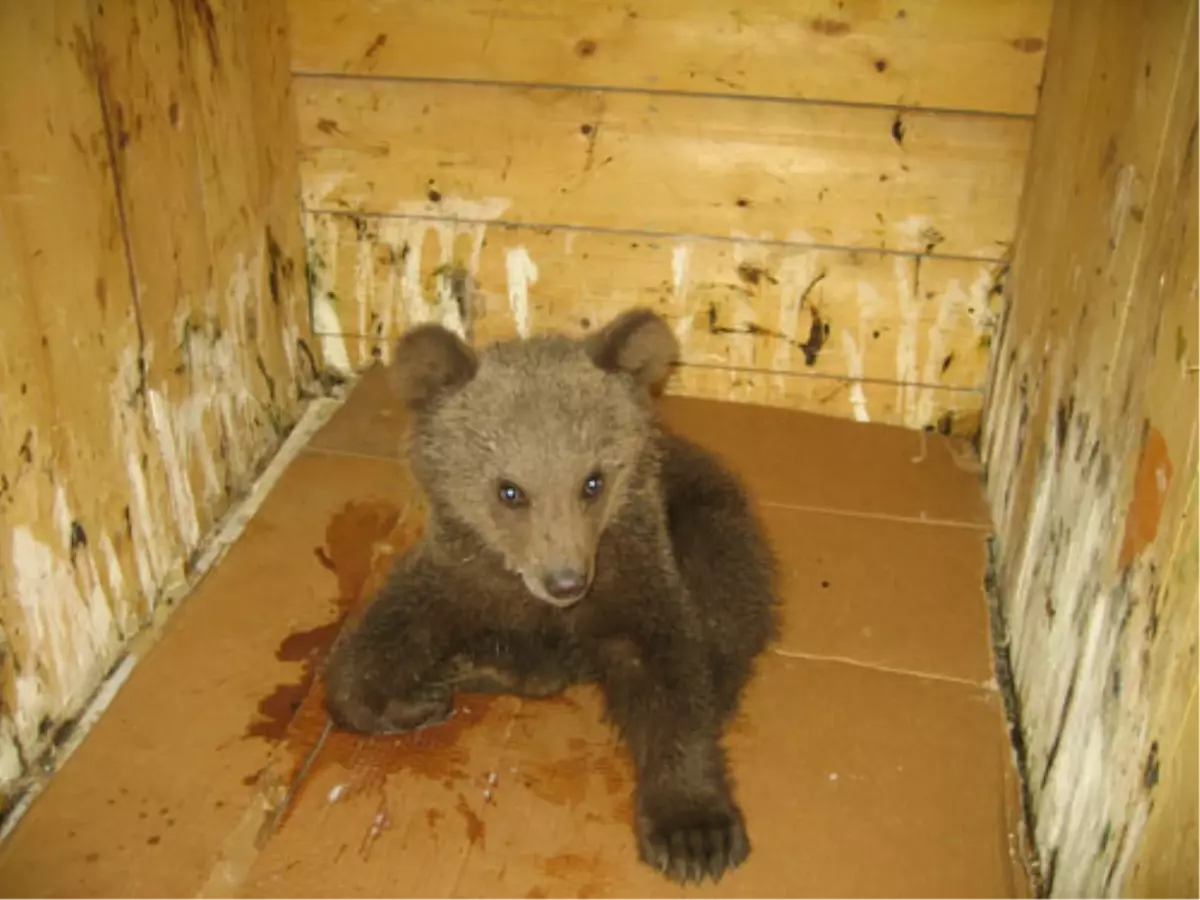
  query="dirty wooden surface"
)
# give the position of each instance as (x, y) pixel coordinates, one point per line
(153, 347)
(890, 53)
(761, 168)
(865, 177)
(881, 536)
(917, 362)
(1090, 449)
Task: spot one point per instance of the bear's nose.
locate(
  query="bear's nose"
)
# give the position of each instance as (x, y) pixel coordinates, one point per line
(565, 584)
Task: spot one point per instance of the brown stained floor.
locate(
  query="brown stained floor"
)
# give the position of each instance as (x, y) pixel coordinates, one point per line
(871, 755)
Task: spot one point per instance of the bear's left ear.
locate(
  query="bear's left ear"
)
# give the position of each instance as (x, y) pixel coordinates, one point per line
(637, 343)
(429, 363)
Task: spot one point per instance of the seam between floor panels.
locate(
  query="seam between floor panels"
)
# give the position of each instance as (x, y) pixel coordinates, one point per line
(885, 517)
(990, 685)
(354, 454)
(767, 504)
(487, 794)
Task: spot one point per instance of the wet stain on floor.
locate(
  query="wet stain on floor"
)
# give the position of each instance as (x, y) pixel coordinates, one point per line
(566, 780)
(475, 828)
(359, 542)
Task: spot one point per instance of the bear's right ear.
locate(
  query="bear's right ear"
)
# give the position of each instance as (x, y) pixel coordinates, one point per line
(639, 344)
(429, 362)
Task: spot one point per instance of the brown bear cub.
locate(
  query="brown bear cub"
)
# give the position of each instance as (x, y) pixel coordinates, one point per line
(571, 539)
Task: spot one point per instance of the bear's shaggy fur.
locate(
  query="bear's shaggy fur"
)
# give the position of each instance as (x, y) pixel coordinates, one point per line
(571, 539)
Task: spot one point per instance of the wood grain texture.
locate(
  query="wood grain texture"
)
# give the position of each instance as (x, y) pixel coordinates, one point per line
(953, 412)
(861, 177)
(57, 624)
(1091, 449)
(981, 56)
(917, 330)
(752, 173)
(151, 359)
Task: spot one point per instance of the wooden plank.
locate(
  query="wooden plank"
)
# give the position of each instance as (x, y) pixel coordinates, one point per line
(947, 411)
(736, 303)
(832, 331)
(151, 363)
(1165, 858)
(985, 56)
(863, 177)
(68, 311)
(224, 382)
(1091, 448)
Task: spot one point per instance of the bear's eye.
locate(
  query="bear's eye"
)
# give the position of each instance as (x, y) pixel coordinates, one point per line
(511, 495)
(593, 485)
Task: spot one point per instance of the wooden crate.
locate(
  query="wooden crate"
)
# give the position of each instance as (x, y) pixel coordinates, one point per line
(820, 198)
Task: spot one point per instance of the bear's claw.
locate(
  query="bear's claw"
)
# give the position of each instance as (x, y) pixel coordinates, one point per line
(689, 846)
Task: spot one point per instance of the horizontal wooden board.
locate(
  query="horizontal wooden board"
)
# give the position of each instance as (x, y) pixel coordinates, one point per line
(964, 55)
(864, 177)
(945, 410)
(773, 313)
(939, 409)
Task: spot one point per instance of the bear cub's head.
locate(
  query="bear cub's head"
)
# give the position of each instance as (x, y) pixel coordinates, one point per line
(536, 445)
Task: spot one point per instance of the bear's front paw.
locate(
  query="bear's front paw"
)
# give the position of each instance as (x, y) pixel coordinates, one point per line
(688, 841)
(415, 713)
(412, 713)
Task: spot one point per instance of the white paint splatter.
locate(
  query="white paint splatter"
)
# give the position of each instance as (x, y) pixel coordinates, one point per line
(949, 301)
(62, 516)
(10, 754)
(1089, 749)
(681, 262)
(196, 348)
(985, 304)
(183, 504)
(458, 215)
(327, 327)
(217, 405)
(290, 335)
(404, 300)
(416, 308)
(914, 233)
(522, 272)
(320, 185)
(66, 588)
(800, 236)
(681, 257)
(393, 234)
(909, 309)
(364, 292)
(115, 579)
(70, 632)
(1118, 214)
(446, 303)
(854, 366)
(151, 547)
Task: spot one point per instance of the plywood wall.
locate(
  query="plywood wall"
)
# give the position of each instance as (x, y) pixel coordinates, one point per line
(820, 195)
(154, 339)
(1090, 447)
